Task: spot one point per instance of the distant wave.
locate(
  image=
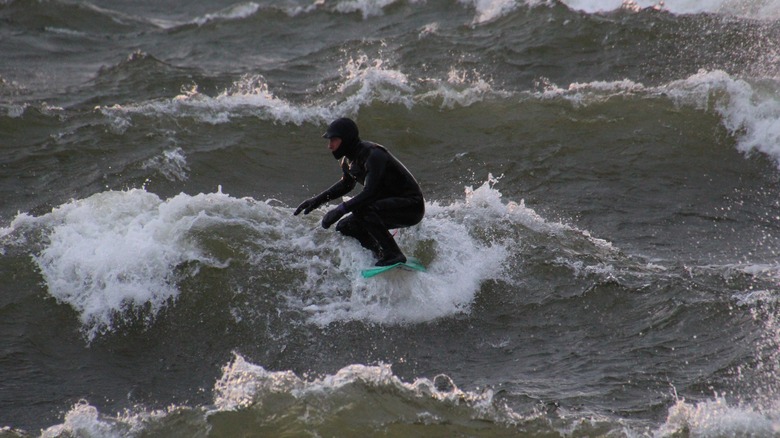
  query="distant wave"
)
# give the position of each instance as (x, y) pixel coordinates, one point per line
(364, 82)
(490, 10)
(234, 12)
(762, 10)
(270, 401)
(748, 109)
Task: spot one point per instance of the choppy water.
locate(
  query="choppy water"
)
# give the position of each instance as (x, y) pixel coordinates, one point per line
(602, 184)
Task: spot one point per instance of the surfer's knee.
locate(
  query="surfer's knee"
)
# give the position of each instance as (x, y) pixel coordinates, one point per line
(347, 226)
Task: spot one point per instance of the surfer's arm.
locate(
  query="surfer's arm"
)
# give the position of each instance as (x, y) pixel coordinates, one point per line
(341, 188)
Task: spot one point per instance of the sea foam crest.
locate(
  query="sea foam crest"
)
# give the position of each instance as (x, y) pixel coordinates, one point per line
(717, 417)
(769, 10)
(457, 262)
(489, 10)
(82, 420)
(367, 8)
(366, 79)
(462, 244)
(234, 12)
(750, 111)
(272, 401)
(761, 10)
(244, 385)
(364, 82)
(462, 88)
(116, 252)
(172, 164)
(250, 95)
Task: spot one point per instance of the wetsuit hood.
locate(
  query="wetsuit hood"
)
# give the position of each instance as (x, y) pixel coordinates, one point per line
(347, 131)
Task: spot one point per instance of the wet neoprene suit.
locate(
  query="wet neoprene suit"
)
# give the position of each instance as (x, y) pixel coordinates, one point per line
(391, 197)
(389, 189)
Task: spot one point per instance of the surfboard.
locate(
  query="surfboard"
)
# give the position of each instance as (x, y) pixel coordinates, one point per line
(412, 264)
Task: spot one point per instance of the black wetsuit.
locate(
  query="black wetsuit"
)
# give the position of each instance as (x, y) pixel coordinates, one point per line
(391, 197)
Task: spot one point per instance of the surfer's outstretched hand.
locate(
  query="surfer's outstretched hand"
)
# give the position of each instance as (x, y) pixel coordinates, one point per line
(307, 206)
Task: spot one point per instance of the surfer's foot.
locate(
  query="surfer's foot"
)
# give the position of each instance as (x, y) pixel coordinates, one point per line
(391, 259)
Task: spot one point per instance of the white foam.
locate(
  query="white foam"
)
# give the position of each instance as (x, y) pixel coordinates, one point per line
(769, 10)
(116, 252)
(246, 386)
(461, 89)
(471, 242)
(82, 420)
(85, 420)
(717, 417)
(583, 94)
(243, 384)
(761, 10)
(172, 164)
(368, 79)
(234, 12)
(364, 82)
(750, 111)
(489, 10)
(367, 8)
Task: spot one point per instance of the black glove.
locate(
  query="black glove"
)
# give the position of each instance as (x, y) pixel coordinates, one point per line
(308, 205)
(333, 216)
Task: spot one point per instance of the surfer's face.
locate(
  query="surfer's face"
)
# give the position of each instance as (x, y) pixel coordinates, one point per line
(334, 143)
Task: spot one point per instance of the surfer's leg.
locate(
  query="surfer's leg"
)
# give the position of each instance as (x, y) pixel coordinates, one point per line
(376, 227)
(399, 212)
(353, 226)
(391, 253)
(371, 226)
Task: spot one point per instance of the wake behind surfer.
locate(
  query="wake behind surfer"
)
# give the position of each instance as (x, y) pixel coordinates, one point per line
(391, 197)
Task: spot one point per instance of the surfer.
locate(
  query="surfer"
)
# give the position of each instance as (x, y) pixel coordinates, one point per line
(391, 197)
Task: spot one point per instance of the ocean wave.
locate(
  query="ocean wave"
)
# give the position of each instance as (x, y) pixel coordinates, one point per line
(487, 11)
(249, 96)
(234, 12)
(768, 10)
(83, 18)
(749, 110)
(718, 417)
(248, 398)
(117, 257)
(251, 399)
(172, 164)
(447, 241)
(114, 254)
(364, 81)
(366, 8)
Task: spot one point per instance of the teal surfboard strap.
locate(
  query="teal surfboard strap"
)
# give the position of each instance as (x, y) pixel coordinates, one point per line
(411, 264)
